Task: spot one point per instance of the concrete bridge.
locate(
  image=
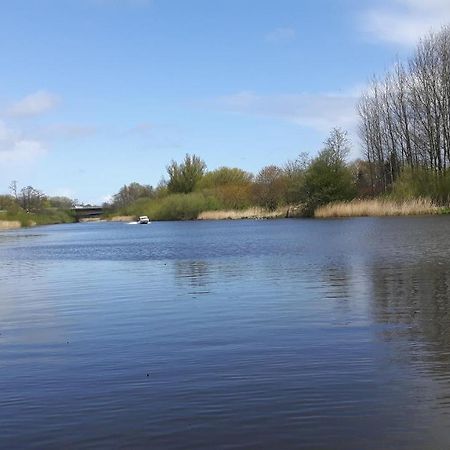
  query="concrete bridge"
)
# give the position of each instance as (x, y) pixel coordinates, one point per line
(87, 212)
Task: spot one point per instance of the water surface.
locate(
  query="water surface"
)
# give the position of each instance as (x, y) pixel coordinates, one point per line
(285, 334)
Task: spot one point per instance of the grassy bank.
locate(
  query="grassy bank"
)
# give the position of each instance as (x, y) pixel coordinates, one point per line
(21, 218)
(378, 208)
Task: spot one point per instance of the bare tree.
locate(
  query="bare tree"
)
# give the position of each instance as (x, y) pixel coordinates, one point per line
(13, 189)
(405, 116)
(31, 199)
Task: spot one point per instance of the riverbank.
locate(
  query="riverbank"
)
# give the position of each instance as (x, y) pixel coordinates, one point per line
(378, 208)
(18, 219)
(254, 213)
(355, 208)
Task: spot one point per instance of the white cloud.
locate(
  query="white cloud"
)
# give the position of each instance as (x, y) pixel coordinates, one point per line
(320, 112)
(405, 21)
(282, 34)
(16, 148)
(34, 104)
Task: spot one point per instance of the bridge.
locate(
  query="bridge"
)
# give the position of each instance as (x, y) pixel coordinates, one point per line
(87, 212)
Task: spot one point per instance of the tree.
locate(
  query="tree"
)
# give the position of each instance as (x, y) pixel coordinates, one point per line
(362, 172)
(337, 147)
(128, 194)
(328, 179)
(405, 116)
(294, 174)
(31, 199)
(270, 187)
(225, 176)
(184, 177)
(14, 189)
(61, 202)
(231, 186)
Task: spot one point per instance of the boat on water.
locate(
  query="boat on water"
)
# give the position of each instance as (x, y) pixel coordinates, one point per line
(144, 220)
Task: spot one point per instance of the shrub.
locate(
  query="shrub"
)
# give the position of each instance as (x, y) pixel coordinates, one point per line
(174, 206)
(422, 183)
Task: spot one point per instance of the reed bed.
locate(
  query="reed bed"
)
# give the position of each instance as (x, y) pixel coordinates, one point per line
(122, 218)
(9, 224)
(250, 213)
(378, 207)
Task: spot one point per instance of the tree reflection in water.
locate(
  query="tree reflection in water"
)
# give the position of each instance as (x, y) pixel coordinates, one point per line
(414, 301)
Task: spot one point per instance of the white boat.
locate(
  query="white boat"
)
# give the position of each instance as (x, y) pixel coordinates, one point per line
(144, 220)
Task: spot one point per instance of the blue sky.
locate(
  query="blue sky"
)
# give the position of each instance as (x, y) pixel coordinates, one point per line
(98, 93)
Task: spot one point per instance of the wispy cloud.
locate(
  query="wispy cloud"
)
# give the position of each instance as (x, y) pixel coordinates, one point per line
(405, 21)
(320, 112)
(33, 105)
(282, 34)
(15, 147)
(68, 131)
(143, 129)
(155, 135)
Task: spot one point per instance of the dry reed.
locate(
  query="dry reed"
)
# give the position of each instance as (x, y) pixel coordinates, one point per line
(9, 224)
(250, 213)
(122, 218)
(377, 207)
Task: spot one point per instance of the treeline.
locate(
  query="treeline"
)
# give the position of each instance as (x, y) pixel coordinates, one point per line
(29, 205)
(191, 189)
(405, 123)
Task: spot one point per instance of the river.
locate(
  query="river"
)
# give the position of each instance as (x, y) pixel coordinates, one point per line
(302, 334)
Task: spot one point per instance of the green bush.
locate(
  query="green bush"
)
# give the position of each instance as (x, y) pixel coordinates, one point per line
(174, 206)
(422, 183)
(327, 182)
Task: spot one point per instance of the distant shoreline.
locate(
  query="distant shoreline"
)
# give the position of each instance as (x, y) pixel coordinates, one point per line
(355, 208)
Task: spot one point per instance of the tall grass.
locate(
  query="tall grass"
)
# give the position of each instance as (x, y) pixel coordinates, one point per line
(121, 218)
(378, 207)
(250, 213)
(9, 224)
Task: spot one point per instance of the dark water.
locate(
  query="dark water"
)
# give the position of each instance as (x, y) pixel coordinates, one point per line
(201, 335)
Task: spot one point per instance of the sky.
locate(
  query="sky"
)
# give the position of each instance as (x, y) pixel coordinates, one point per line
(95, 94)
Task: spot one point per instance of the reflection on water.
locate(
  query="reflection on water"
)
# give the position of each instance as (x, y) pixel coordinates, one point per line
(194, 274)
(283, 334)
(414, 301)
